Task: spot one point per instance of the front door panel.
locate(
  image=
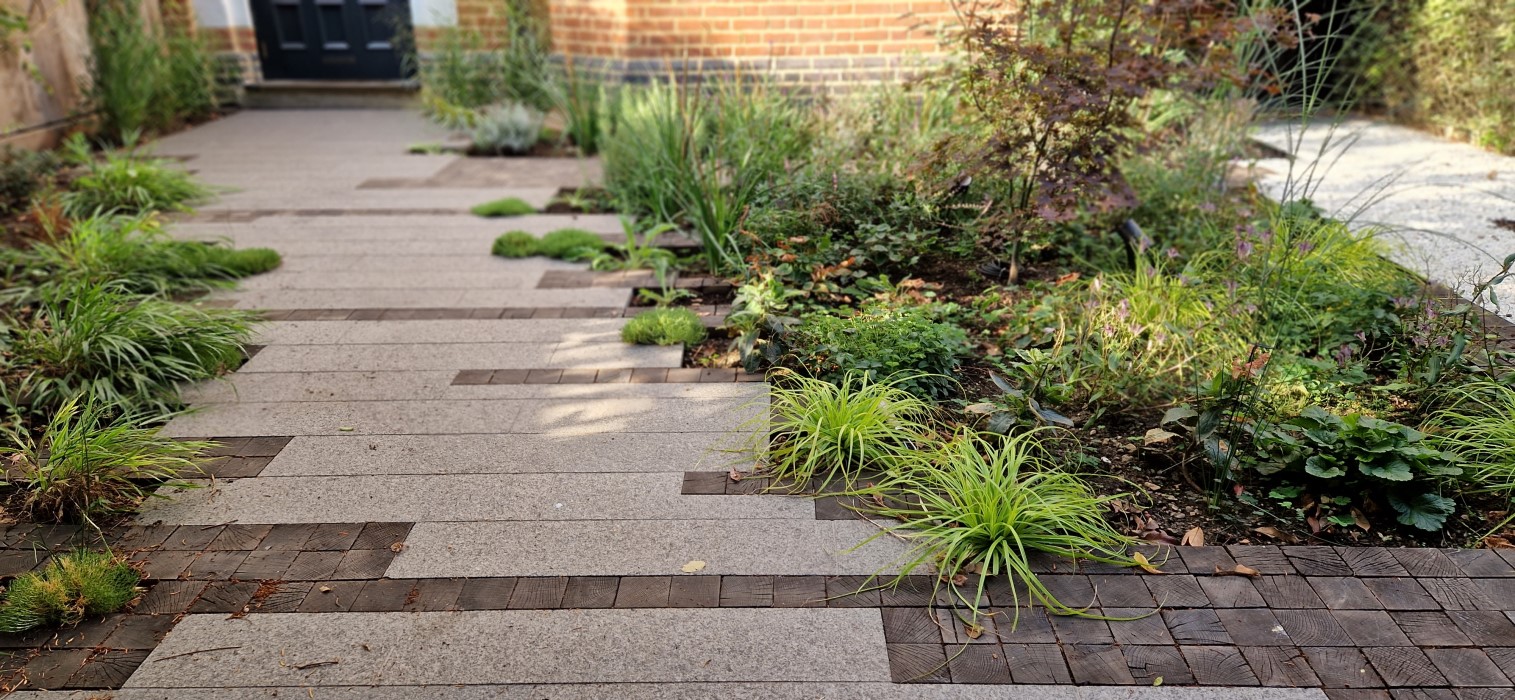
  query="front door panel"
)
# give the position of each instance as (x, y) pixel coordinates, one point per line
(331, 39)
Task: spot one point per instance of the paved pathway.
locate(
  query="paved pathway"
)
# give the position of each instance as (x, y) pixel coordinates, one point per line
(1436, 199)
(443, 478)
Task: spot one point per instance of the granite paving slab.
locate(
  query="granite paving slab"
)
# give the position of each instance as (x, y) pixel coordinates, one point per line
(645, 547)
(426, 298)
(547, 330)
(353, 455)
(518, 646)
(1435, 199)
(265, 387)
(372, 357)
(703, 691)
(458, 498)
(561, 416)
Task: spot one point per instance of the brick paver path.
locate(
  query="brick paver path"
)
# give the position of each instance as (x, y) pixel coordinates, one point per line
(444, 476)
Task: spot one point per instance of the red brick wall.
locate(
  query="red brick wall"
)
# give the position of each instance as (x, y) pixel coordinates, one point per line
(595, 28)
(782, 28)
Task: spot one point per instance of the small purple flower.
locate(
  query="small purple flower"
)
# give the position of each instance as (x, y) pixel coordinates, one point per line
(1207, 207)
(1123, 310)
(1361, 336)
(1344, 355)
(1172, 253)
(1231, 286)
(1243, 248)
(1305, 246)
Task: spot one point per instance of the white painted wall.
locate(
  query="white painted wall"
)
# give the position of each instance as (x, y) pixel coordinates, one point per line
(237, 13)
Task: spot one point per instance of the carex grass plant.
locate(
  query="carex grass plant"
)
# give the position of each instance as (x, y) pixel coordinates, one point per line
(1478, 426)
(985, 504)
(816, 430)
(66, 590)
(117, 348)
(91, 461)
(136, 253)
(121, 182)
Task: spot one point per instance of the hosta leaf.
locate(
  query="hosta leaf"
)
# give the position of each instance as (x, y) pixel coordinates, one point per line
(1426, 511)
(1001, 423)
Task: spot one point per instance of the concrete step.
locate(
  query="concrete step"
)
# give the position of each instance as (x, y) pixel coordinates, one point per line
(333, 94)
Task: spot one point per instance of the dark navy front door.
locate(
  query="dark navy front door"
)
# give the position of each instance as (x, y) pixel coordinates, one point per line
(331, 39)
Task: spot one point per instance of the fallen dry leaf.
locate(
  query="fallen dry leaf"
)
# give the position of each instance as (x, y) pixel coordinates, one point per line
(1064, 279)
(1195, 537)
(1238, 570)
(1157, 436)
(1276, 534)
(734, 475)
(973, 631)
(692, 566)
(1141, 561)
(397, 547)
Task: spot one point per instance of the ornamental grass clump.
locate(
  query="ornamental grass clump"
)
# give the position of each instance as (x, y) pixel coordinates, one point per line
(135, 253)
(68, 589)
(122, 183)
(118, 348)
(817, 430)
(985, 504)
(666, 326)
(1479, 428)
(88, 463)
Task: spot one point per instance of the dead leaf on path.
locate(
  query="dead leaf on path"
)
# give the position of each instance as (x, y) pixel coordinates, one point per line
(1361, 520)
(692, 567)
(734, 475)
(326, 589)
(1141, 561)
(397, 547)
(1238, 570)
(1276, 534)
(1195, 537)
(1158, 436)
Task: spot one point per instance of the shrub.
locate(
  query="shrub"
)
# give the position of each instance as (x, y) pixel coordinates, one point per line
(667, 326)
(509, 129)
(118, 349)
(71, 587)
(87, 464)
(819, 429)
(461, 77)
(122, 183)
(1355, 459)
(570, 244)
(516, 244)
(1148, 337)
(824, 230)
(140, 79)
(881, 343)
(702, 155)
(509, 206)
(136, 254)
(22, 174)
(986, 505)
(1479, 427)
(1449, 68)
